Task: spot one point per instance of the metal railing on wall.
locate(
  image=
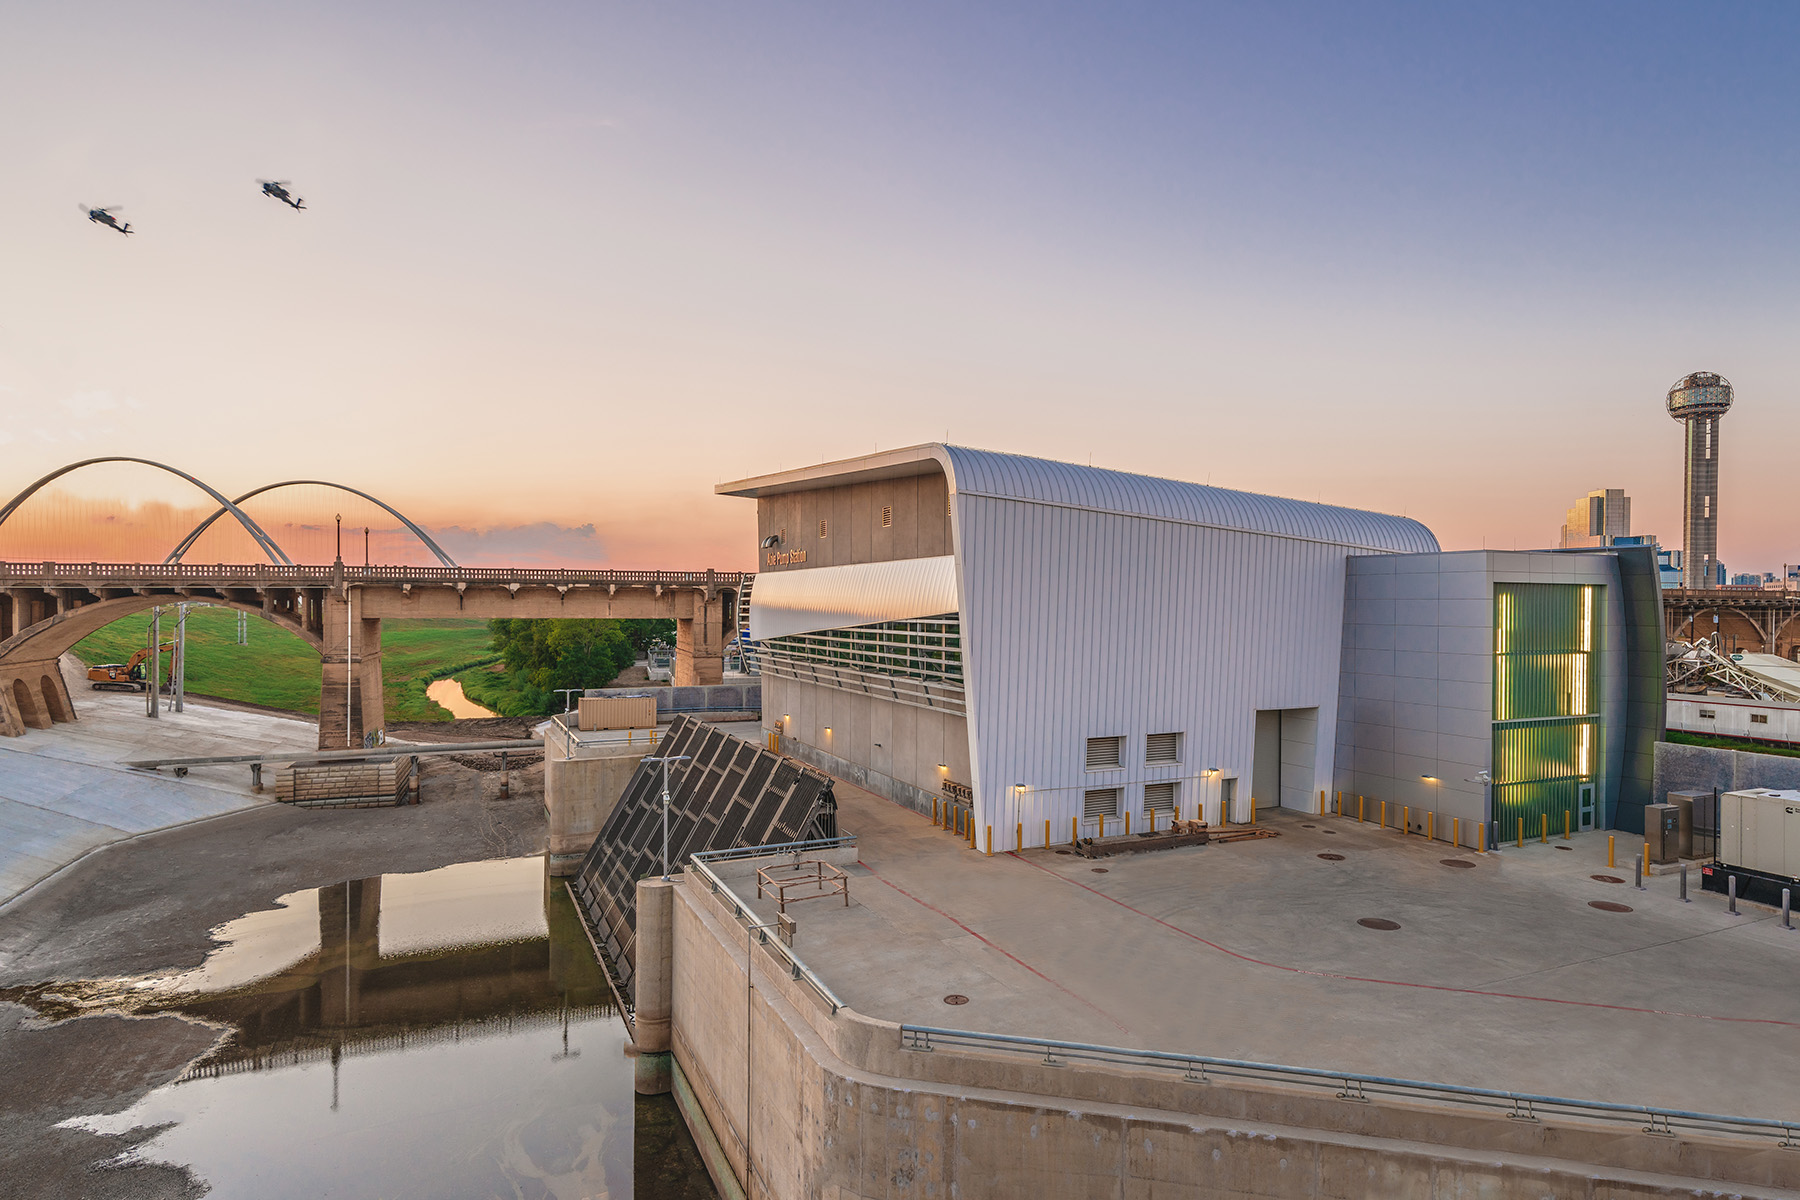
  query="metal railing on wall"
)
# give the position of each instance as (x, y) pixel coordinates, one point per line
(1349, 1085)
(320, 575)
(747, 916)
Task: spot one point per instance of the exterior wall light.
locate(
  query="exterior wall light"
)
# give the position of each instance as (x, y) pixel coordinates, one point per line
(1429, 778)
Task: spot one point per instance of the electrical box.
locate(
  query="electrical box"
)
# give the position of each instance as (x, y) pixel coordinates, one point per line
(1759, 829)
(1662, 830)
(1684, 803)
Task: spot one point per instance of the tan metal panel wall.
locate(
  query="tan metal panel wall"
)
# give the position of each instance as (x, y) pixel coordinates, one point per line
(616, 712)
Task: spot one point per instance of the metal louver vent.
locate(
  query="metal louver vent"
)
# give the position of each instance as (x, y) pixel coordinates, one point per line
(1100, 802)
(887, 516)
(1159, 797)
(1162, 748)
(1104, 752)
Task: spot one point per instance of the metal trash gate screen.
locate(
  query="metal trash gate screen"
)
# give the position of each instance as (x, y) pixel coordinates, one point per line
(731, 793)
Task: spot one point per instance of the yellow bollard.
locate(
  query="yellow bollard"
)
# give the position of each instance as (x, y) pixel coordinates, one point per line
(1456, 832)
(954, 824)
(1359, 810)
(1102, 825)
(1074, 831)
(1405, 819)
(1430, 826)
(1321, 802)
(1253, 810)
(1546, 834)
(1521, 833)
(1128, 822)
(1153, 820)
(934, 812)
(1646, 858)
(1046, 833)
(1609, 849)
(990, 849)
(1384, 814)
(1019, 837)
(1565, 824)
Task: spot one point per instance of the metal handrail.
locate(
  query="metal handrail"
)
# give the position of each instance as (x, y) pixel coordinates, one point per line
(1198, 1068)
(735, 852)
(744, 914)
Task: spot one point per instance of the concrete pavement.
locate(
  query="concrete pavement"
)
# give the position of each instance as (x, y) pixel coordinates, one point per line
(1501, 974)
(64, 792)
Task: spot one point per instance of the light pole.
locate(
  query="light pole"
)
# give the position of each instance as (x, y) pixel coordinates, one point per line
(665, 803)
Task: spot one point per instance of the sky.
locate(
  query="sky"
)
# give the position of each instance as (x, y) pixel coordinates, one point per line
(565, 267)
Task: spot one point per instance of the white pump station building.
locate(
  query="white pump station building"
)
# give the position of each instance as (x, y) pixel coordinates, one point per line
(1051, 643)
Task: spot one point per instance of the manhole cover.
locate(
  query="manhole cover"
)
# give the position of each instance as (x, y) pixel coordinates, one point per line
(1332, 857)
(955, 999)
(1332, 832)
(1564, 847)
(1456, 862)
(1377, 923)
(1062, 851)
(1609, 906)
(1099, 870)
(1606, 879)
(1303, 825)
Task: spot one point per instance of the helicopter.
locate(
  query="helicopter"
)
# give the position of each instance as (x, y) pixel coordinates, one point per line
(103, 216)
(278, 189)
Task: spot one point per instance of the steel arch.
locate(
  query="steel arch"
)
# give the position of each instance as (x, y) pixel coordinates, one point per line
(187, 542)
(267, 543)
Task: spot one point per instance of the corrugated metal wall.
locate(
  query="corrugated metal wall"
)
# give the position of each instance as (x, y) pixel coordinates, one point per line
(1080, 624)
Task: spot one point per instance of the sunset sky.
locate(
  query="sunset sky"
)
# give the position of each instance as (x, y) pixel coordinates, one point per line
(563, 268)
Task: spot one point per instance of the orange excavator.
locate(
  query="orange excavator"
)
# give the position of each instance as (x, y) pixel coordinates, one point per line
(130, 676)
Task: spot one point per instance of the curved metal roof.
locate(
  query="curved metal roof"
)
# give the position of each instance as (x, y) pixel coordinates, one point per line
(1042, 481)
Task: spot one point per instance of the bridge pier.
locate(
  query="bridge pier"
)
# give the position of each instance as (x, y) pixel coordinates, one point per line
(699, 639)
(352, 701)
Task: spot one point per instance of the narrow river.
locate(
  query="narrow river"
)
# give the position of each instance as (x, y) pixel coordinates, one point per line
(448, 694)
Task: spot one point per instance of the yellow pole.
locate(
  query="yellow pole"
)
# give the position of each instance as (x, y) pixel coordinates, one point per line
(1565, 824)
(1128, 822)
(1253, 810)
(1019, 837)
(1321, 802)
(1074, 831)
(1103, 825)
(1456, 832)
(990, 849)
(1479, 836)
(1521, 833)
(1646, 856)
(1153, 820)
(1545, 817)
(1405, 818)
(1430, 826)
(1609, 849)
(1359, 810)
(1384, 814)
(934, 811)
(1046, 833)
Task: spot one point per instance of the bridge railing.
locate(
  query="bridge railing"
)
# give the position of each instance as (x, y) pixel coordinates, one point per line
(42, 572)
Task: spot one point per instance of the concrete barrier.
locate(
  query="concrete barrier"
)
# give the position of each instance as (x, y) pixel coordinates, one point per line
(712, 698)
(813, 1103)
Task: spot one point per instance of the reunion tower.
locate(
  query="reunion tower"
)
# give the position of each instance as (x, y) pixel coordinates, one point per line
(1698, 402)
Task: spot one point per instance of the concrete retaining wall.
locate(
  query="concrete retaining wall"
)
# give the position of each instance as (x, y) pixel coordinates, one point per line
(315, 784)
(1682, 768)
(814, 1104)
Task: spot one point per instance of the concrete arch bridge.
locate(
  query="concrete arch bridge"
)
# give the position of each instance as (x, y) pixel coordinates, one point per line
(47, 607)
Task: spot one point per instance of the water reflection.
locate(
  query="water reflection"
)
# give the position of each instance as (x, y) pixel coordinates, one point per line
(446, 1034)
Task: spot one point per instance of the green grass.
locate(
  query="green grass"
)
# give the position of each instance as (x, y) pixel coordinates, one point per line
(279, 670)
(1729, 743)
(503, 691)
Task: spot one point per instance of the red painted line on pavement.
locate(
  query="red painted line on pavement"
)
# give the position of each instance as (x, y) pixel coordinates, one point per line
(1429, 987)
(990, 945)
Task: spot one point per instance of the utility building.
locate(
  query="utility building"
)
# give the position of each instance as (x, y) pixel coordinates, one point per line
(1044, 642)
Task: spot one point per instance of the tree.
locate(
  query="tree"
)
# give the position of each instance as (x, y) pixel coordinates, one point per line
(550, 654)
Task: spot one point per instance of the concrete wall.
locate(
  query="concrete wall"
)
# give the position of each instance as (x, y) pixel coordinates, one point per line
(806, 1103)
(718, 697)
(1703, 768)
(893, 750)
(579, 794)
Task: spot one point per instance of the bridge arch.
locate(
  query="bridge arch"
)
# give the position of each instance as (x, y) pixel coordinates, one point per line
(263, 540)
(50, 638)
(187, 542)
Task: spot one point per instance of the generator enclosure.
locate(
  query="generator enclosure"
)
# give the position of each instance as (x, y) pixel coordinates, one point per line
(1759, 830)
(595, 713)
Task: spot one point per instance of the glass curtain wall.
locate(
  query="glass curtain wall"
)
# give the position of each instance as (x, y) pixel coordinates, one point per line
(1546, 703)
